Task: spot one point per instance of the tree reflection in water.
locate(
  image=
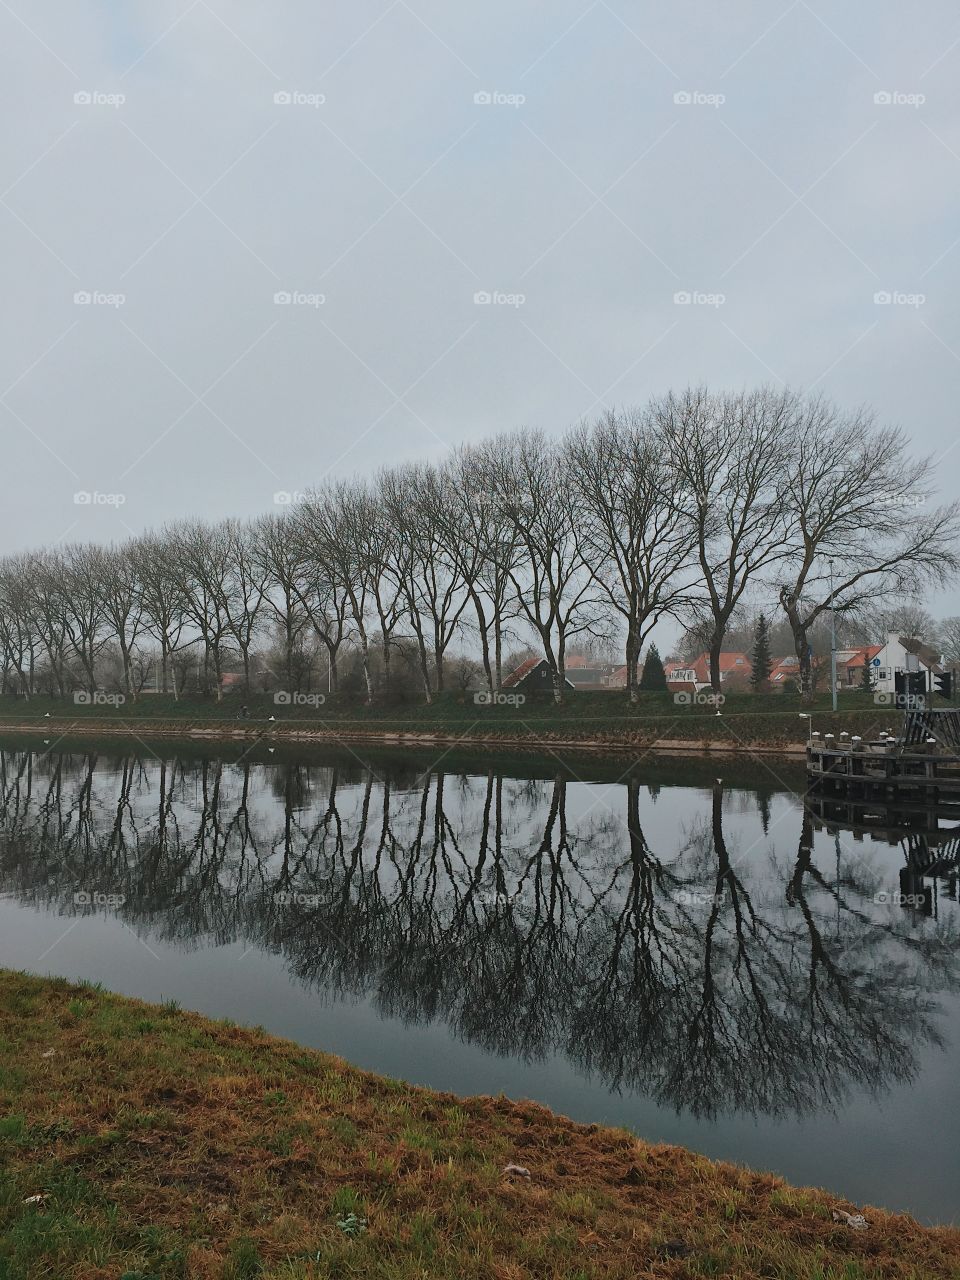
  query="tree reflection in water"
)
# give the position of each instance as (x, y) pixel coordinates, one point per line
(707, 977)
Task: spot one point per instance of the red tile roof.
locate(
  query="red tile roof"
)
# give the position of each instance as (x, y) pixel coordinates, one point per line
(865, 654)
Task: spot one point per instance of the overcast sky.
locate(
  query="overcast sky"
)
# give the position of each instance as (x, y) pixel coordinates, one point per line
(182, 163)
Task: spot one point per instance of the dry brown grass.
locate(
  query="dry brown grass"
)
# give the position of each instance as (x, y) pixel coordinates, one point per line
(167, 1145)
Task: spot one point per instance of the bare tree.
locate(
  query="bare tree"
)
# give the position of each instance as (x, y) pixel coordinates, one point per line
(76, 589)
(200, 556)
(242, 588)
(163, 599)
(117, 582)
(950, 639)
(637, 524)
(417, 502)
(730, 452)
(552, 580)
(331, 523)
(20, 643)
(858, 526)
(284, 563)
(485, 543)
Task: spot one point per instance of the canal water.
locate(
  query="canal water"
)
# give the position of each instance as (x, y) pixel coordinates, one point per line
(689, 955)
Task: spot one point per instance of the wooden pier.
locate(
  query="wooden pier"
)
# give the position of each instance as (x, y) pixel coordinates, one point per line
(917, 769)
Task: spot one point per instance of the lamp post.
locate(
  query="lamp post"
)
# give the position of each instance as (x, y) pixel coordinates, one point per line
(833, 641)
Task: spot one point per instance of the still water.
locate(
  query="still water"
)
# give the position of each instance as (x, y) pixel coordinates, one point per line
(694, 957)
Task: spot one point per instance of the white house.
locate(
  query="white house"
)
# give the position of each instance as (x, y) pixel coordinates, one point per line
(900, 655)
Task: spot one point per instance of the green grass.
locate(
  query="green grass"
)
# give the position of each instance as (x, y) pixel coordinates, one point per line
(607, 719)
(195, 1150)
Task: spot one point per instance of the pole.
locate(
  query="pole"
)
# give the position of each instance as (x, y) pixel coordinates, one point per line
(833, 642)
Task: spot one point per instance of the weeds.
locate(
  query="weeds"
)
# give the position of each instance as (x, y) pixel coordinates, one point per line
(215, 1152)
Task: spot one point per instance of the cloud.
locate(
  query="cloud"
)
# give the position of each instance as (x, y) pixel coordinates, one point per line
(400, 158)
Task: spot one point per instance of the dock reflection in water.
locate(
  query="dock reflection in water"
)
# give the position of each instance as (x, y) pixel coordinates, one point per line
(702, 952)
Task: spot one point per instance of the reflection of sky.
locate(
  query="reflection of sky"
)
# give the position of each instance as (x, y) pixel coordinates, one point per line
(900, 1150)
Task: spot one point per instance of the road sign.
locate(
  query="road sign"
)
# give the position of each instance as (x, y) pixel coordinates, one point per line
(875, 662)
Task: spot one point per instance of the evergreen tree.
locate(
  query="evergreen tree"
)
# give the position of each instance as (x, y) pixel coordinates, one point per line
(654, 677)
(760, 658)
(866, 677)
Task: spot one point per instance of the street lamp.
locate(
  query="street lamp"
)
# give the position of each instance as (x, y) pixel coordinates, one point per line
(833, 640)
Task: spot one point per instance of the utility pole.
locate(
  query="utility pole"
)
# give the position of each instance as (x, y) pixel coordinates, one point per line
(833, 641)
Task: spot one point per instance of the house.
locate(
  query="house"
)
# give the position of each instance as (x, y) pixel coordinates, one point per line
(903, 656)
(681, 677)
(685, 676)
(587, 673)
(785, 673)
(850, 664)
(592, 678)
(532, 676)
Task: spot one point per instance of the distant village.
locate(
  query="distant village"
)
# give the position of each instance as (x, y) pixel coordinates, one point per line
(879, 664)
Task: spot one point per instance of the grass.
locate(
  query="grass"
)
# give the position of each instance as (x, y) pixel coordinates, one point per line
(597, 718)
(164, 1146)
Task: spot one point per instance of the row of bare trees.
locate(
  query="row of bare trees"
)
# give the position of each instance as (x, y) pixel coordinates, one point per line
(682, 509)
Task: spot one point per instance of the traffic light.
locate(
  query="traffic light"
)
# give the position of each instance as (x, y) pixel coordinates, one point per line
(943, 683)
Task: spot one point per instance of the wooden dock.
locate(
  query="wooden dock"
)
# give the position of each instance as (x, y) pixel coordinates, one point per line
(919, 767)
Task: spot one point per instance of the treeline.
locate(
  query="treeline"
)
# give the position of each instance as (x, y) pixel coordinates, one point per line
(684, 508)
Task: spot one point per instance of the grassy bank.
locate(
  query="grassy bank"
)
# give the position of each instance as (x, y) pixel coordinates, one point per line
(600, 720)
(142, 1142)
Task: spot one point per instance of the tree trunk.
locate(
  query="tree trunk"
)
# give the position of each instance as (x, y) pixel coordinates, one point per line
(716, 648)
(801, 644)
(632, 656)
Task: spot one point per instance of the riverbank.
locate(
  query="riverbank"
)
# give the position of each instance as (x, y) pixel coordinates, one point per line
(604, 723)
(142, 1141)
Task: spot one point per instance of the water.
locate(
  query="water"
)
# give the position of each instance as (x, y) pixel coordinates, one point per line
(691, 957)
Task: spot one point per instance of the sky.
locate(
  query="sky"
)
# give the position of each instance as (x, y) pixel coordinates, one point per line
(248, 246)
